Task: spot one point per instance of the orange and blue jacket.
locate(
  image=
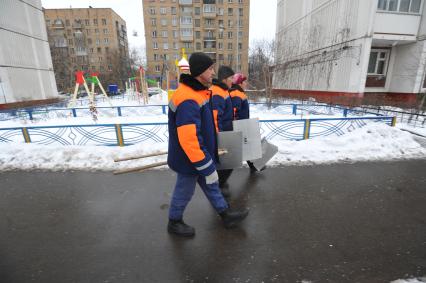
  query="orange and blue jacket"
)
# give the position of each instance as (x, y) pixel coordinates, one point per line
(192, 136)
(239, 103)
(222, 106)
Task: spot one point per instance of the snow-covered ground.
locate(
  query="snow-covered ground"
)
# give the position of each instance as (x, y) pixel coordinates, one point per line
(375, 141)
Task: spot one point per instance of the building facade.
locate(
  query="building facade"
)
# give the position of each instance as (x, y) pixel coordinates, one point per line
(350, 46)
(26, 72)
(219, 28)
(87, 39)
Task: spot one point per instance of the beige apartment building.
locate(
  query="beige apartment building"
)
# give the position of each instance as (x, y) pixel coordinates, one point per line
(219, 28)
(88, 39)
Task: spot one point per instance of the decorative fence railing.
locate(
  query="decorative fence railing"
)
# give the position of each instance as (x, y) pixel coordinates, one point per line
(132, 111)
(132, 133)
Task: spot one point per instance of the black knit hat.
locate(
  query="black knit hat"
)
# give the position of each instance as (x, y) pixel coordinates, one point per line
(198, 63)
(224, 72)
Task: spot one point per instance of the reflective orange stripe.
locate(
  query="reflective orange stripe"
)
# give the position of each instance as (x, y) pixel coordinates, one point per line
(187, 135)
(216, 125)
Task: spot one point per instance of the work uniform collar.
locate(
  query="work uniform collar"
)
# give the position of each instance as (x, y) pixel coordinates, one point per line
(192, 82)
(220, 84)
(236, 87)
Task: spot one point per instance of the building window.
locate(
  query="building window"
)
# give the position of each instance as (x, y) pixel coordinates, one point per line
(173, 10)
(402, 6)
(175, 45)
(155, 45)
(186, 32)
(197, 23)
(164, 22)
(230, 1)
(91, 50)
(240, 45)
(187, 45)
(109, 67)
(165, 45)
(197, 34)
(100, 59)
(104, 22)
(154, 33)
(220, 34)
(378, 62)
(48, 22)
(164, 34)
(198, 45)
(197, 11)
(230, 11)
(87, 22)
(89, 41)
(152, 10)
(95, 22)
(220, 45)
(106, 41)
(156, 57)
(185, 20)
(99, 50)
(163, 10)
(157, 68)
(229, 45)
(153, 22)
(70, 41)
(230, 23)
(240, 1)
(175, 34)
(96, 31)
(174, 21)
(105, 31)
(229, 34)
(220, 11)
(209, 8)
(240, 12)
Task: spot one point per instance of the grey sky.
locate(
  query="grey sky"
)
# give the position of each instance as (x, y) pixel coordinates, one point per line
(262, 16)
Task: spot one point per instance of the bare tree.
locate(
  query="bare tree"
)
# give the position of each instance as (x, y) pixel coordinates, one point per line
(261, 61)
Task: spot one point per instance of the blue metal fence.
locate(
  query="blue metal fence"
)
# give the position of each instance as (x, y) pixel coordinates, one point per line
(132, 133)
(129, 111)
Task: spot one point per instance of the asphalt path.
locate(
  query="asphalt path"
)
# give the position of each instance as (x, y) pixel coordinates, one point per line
(362, 222)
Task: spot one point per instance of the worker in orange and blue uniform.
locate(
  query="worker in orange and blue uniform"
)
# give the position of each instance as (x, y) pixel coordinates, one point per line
(193, 152)
(240, 103)
(223, 115)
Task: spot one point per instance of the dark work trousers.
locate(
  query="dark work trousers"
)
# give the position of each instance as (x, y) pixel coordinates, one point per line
(184, 189)
(224, 176)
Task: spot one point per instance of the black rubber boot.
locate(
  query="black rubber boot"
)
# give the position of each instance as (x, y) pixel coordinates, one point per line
(180, 228)
(231, 217)
(224, 188)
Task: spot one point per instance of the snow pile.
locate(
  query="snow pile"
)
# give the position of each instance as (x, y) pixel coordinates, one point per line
(376, 141)
(413, 280)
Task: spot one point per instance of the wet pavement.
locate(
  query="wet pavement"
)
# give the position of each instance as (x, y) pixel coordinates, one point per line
(362, 222)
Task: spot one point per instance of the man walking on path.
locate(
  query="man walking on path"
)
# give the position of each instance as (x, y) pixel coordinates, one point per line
(193, 149)
(223, 114)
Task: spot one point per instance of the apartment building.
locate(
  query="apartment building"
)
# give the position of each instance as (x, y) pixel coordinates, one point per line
(219, 28)
(26, 73)
(88, 39)
(350, 46)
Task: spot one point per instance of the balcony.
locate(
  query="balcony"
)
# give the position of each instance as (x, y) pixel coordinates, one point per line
(185, 2)
(185, 37)
(209, 50)
(209, 38)
(209, 11)
(396, 27)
